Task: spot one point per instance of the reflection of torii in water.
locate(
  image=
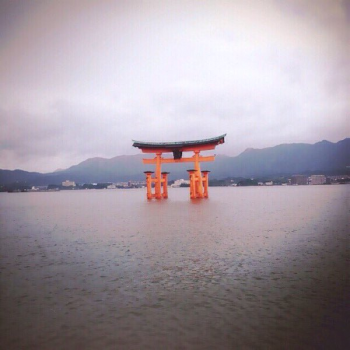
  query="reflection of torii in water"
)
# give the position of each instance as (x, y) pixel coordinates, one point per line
(198, 178)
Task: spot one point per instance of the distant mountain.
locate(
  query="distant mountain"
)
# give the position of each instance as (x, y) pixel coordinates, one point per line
(323, 157)
(58, 170)
(9, 176)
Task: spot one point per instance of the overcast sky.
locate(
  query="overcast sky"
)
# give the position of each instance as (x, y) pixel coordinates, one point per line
(81, 79)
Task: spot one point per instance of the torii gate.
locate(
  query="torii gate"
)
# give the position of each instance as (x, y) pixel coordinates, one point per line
(198, 179)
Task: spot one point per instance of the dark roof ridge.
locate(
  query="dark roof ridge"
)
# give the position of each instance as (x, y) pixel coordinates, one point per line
(178, 144)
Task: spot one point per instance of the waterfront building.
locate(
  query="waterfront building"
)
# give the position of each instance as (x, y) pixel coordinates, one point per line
(317, 180)
(178, 183)
(299, 180)
(68, 183)
(339, 178)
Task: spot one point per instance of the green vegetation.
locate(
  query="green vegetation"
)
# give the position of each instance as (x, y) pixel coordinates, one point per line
(248, 182)
(241, 181)
(15, 187)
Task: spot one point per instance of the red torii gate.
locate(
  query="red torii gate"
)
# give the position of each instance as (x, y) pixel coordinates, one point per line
(198, 179)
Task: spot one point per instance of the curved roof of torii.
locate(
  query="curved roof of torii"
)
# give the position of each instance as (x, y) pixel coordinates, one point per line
(180, 144)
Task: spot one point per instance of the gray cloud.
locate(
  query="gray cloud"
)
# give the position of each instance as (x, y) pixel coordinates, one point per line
(83, 81)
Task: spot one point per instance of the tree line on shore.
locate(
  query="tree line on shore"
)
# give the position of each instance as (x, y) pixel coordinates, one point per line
(230, 181)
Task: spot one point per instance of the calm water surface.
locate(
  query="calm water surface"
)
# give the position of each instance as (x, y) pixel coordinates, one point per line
(249, 268)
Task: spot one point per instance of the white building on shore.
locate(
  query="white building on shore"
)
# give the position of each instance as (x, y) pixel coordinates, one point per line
(68, 183)
(178, 183)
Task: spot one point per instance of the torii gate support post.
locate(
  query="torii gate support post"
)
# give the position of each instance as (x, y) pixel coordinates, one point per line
(206, 182)
(158, 179)
(198, 175)
(149, 183)
(165, 184)
(163, 181)
(195, 184)
(192, 175)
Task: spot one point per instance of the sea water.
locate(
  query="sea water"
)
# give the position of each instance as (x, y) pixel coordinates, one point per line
(252, 267)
